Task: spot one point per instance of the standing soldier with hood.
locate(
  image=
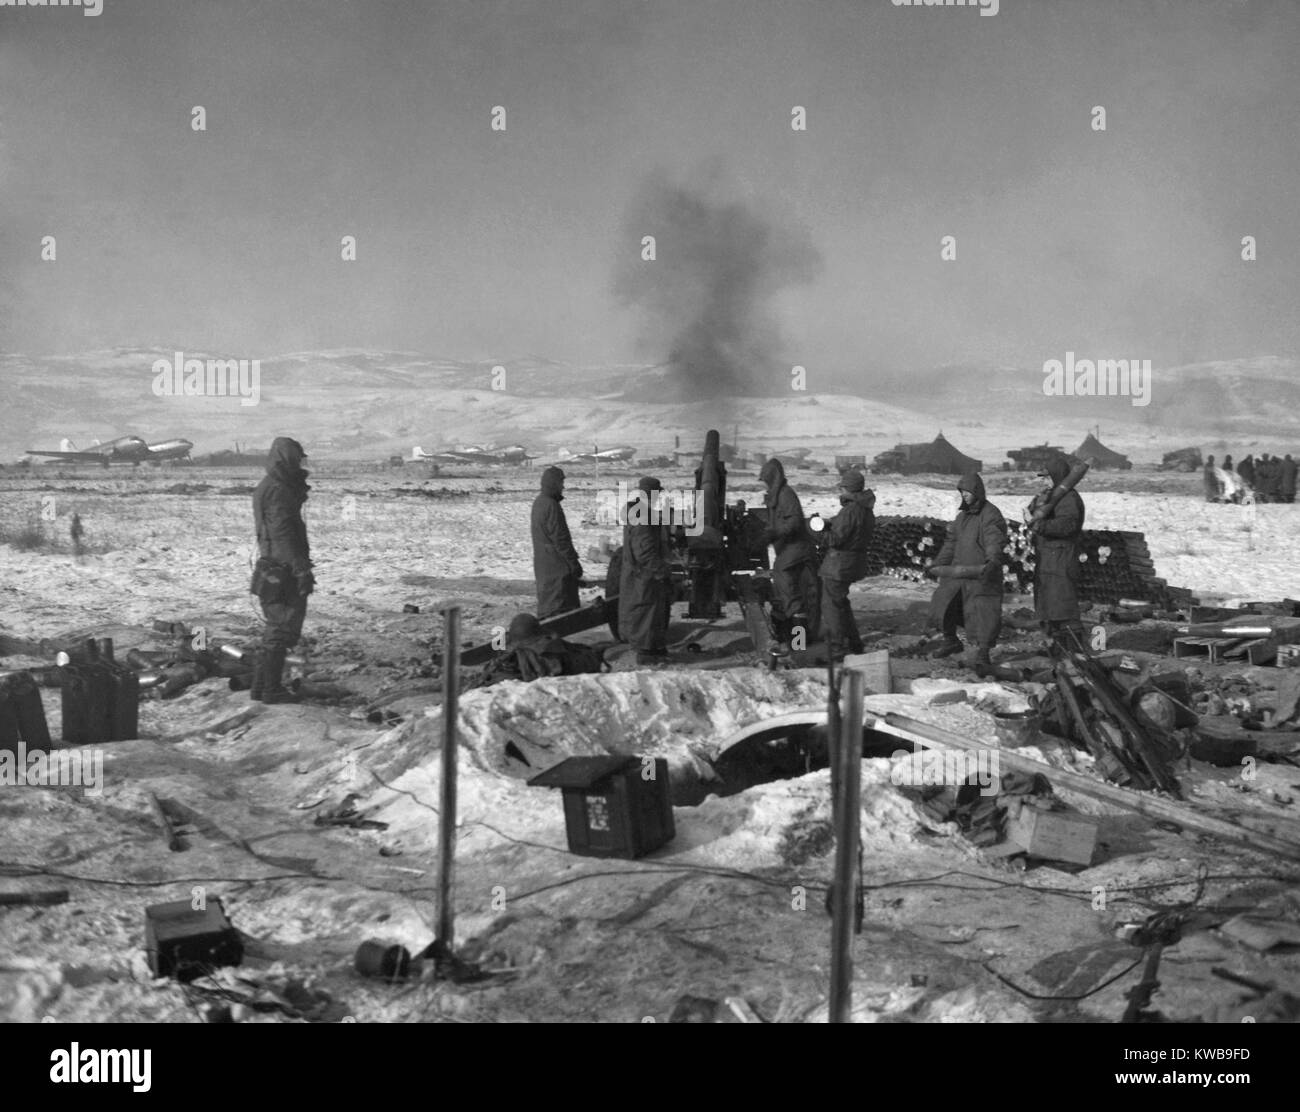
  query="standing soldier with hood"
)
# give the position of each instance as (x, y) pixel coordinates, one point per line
(645, 579)
(794, 573)
(282, 578)
(555, 561)
(848, 538)
(970, 567)
(1056, 560)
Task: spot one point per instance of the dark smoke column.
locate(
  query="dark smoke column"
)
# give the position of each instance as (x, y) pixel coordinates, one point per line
(704, 299)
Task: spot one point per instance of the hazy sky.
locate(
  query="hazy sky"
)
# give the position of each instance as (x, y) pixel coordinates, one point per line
(327, 118)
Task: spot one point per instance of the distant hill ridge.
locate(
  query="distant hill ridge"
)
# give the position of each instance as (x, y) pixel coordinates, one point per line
(363, 402)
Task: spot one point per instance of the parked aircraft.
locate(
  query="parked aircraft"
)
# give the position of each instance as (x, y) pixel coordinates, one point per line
(125, 449)
(480, 454)
(616, 454)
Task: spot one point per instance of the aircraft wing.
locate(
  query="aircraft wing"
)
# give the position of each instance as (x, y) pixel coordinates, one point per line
(88, 457)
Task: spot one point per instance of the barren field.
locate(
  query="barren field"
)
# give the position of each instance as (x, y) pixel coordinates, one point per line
(731, 908)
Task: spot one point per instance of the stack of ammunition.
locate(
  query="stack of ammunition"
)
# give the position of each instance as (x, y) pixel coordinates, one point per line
(1114, 565)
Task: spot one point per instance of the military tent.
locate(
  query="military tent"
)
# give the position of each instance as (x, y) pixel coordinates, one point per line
(1103, 458)
(936, 458)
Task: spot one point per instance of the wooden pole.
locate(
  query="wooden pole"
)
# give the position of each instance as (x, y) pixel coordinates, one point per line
(844, 896)
(447, 810)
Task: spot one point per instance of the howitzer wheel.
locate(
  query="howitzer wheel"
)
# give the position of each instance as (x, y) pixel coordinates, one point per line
(611, 590)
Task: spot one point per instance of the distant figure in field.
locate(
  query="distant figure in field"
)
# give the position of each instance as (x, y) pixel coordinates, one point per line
(1211, 476)
(1288, 479)
(1272, 484)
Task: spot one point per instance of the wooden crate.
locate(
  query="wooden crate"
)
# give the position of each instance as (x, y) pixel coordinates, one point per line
(1053, 835)
(1213, 648)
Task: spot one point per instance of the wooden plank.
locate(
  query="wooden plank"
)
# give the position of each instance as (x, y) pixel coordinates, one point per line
(1153, 806)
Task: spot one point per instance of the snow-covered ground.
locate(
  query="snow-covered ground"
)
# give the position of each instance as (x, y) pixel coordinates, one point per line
(731, 907)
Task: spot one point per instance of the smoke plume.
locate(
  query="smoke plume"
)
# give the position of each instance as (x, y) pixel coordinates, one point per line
(705, 298)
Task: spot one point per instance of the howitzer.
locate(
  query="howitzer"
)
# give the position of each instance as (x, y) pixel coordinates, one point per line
(719, 556)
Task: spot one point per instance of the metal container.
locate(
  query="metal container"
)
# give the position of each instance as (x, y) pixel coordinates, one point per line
(379, 959)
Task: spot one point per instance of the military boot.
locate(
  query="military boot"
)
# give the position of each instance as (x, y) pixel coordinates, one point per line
(782, 629)
(950, 647)
(273, 689)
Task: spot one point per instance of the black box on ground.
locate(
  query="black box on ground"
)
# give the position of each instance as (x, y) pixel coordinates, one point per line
(613, 806)
(184, 943)
(101, 702)
(22, 714)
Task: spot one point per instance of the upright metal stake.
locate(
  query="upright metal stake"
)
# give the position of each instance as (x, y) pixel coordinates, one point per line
(847, 832)
(447, 809)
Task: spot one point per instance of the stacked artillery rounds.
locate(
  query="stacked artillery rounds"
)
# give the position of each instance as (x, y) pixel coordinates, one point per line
(1114, 564)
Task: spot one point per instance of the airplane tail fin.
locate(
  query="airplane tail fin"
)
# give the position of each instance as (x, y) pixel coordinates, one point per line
(66, 445)
(564, 453)
(417, 453)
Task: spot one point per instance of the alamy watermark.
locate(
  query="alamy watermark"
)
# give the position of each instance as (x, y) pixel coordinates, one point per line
(683, 508)
(948, 767)
(64, 768)
(1086, 378)
(212, 378)
(88, 7)
(986, 7)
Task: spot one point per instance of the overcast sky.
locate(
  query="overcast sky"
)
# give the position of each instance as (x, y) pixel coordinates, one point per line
(327, 118)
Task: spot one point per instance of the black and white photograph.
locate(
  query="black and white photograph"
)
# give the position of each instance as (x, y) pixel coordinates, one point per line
(651, 511)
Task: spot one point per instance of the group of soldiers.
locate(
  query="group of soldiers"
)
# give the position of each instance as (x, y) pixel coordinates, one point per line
(969, 567)
(813, 570)
(1267, 479)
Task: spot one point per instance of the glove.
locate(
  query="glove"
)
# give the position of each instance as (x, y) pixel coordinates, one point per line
(303, 576)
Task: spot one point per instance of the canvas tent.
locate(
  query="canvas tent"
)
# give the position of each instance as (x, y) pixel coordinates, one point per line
(936, 458)
(1105, 459)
